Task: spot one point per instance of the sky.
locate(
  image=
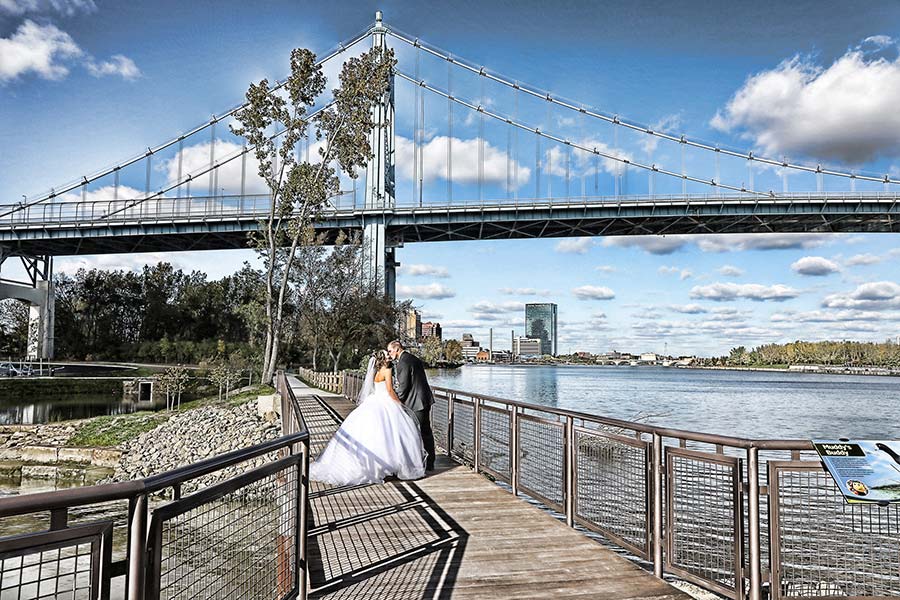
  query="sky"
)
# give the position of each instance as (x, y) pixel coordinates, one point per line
(86, 83)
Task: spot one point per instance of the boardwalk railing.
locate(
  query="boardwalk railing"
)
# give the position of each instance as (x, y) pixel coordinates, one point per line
(736, 516)
(244, 537)
(330, 382)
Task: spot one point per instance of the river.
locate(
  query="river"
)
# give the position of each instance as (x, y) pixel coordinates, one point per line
(756, 404)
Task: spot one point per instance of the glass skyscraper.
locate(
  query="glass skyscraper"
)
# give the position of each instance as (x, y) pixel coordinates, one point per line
(540, 323)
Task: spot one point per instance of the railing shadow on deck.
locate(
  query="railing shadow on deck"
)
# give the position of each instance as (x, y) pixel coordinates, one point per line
(402, 536)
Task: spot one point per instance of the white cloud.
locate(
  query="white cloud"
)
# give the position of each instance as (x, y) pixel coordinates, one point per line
(845, 111)
(493, 308)
(606, 269)
(653, 244)
(724, 292)
(68, 8)
(877, 295)
(116, 262)
(574, 245)
(432, 291)
(116, 65)
(465, 161)
(730, 271)
(41, 49)
(815, 266)
(863, 259)
(669, 123)
(49, 52)
(524, 292)
(761, 241)
(833, 316)
(682, 273)
(424, 270)
(195, 159)
(593, 292)
(583, 162)
(689, 309)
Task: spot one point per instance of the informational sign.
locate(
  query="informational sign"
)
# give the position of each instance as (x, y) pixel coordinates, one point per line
(864, 470)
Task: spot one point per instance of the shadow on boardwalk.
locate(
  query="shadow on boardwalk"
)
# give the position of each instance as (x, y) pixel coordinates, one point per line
(383, 537)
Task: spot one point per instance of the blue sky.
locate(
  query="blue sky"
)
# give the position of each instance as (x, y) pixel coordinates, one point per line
(85, 83)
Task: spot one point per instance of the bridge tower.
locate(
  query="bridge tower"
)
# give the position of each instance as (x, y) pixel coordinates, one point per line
(38, 293)
(380, 262)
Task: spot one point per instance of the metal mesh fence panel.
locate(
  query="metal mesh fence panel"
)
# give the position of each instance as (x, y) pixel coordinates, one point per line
(464, 431)
(495, 448)
(439, 420)
(705, 519)
(238, 546)
(825, 546)
(612, 487)
(63, 564)
(542, 459)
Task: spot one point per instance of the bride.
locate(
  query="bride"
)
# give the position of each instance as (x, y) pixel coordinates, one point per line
(379, 438)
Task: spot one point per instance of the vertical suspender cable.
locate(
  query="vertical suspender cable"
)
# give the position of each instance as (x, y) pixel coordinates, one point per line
(537, 164)
(549, 151)
(180, 157)
(481, 143)
(422, 147)
(852, 182)
(243, 171)
(449, 132)
(750, 171)
(148, 160)
(596, 173)
(683, 172)
(418, 91)
(616, 173)
(508, 161)
(116, 185)
(784, 175)
(583, 171)
(212, 154)
(718, 174)
(568, 167)
(516, 142)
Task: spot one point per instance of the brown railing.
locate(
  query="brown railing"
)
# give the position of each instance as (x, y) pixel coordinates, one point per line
(740, 517)
(242, 538)
(330, 382)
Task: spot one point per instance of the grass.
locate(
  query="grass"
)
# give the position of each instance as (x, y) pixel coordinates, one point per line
(112, 430)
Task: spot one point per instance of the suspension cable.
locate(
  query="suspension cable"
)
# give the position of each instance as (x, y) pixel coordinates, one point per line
(332, 53)
(541, 134)
(543, 95)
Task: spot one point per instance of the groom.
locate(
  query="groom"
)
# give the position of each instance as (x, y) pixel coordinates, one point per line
(413, 390)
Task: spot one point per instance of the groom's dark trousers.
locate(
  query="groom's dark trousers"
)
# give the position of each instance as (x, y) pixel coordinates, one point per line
(412, 388)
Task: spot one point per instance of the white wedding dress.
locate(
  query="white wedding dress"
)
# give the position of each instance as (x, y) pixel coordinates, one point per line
(379, 438)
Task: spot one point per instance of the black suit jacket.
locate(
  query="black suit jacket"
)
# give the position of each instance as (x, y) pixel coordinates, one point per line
(410, 382)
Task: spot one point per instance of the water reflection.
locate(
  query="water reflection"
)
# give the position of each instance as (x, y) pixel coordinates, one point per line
(53, 408)
(737, 403)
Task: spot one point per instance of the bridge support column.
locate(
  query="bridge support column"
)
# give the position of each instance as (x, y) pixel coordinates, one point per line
(381, 267)
(39, 295)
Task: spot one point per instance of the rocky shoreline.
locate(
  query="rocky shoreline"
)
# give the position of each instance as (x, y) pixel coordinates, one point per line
(46, 453)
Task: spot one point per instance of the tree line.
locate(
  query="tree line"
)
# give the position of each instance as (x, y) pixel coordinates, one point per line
(830, 353)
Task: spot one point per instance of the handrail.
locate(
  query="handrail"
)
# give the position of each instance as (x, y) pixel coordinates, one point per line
(68, 498)
(696, 436)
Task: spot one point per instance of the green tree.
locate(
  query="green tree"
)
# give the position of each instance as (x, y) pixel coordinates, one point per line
(13, 328)
(432, 350)
(453, 351)
(298, 190)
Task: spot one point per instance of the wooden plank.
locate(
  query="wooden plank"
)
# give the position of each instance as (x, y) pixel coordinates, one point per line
(453, 534)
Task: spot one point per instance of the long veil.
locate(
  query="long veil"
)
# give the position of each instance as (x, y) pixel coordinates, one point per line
(368, 387)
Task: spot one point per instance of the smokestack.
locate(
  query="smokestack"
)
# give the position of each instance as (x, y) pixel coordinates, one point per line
(491, 343)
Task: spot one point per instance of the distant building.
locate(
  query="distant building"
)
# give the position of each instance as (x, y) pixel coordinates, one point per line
(540, 323)
(468, 341)
(523, 346)
(585, 355)
(649, 357)
(430, 329)
(502, 356)
(483, 356)
(411, 327)
(470, 353)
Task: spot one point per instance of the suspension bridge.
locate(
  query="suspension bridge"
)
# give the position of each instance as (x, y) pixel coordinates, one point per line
(460, 152)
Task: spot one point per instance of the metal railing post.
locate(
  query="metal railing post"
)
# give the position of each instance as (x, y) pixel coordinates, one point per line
(570, 471)
(450, 424)
(753, 523)
(137, 547)
(514, 451)
(656, 465)
(476, 428)
(302, 558)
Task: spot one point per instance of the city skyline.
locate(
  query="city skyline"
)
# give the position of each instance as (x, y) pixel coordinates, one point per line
(84, 69)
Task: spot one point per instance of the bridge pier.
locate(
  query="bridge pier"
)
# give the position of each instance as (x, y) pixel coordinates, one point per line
(40, 296)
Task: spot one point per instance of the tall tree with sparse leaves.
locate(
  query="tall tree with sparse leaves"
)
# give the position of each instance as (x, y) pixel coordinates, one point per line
(299, 190)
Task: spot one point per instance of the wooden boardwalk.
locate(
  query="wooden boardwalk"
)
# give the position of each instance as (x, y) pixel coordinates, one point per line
(453, 534)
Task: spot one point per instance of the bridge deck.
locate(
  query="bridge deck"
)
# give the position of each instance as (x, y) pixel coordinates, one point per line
(453, 534)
